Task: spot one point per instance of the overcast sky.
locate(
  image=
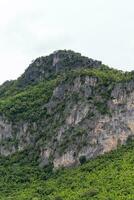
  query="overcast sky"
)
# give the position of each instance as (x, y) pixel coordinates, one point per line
(100, 29)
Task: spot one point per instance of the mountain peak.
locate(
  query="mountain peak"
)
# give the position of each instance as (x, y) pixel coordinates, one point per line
(57, 62)
(76, 59)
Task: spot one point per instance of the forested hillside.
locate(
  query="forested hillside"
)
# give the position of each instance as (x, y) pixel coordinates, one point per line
(108, 177)
(59, 121)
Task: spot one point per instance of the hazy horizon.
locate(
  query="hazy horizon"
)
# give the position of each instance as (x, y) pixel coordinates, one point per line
(99, 29)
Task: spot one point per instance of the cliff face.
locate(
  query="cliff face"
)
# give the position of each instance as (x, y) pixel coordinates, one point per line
(87, 112)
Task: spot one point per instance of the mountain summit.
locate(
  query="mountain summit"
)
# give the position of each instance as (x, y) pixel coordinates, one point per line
(57, 62)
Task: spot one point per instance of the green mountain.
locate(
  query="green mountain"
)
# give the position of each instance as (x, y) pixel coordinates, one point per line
(64, 111)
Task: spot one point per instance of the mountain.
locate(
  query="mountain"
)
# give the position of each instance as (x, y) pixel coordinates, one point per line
(66, 107)
(65, 110)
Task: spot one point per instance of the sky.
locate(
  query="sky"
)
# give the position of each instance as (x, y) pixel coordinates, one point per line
(99, 29)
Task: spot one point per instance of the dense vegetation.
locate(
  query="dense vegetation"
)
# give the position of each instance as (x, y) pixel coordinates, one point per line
(107, 177)
(18, 103)
(27, 104)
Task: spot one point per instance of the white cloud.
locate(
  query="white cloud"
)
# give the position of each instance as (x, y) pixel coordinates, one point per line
(100, 29)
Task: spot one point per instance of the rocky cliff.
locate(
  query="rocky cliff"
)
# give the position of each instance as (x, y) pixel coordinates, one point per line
(68, 108)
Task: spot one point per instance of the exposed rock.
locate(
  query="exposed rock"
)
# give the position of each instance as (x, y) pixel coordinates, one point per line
(91, 81)
(6, 151)
(45, 157)
(5, 129)
(59, 61)
(66, 160)
(77, 84)
(82, 116)
(59, 92)
(78, 113)
(13, 137)
(95, 135)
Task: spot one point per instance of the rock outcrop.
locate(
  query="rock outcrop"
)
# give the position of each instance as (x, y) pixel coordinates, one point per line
(82, 117)
(58, 62)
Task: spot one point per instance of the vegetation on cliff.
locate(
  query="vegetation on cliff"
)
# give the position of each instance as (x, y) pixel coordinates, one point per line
(26, 104)
(55, 108)
(107, 177)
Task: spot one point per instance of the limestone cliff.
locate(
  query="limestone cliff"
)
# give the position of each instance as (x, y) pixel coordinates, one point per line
(87, 111)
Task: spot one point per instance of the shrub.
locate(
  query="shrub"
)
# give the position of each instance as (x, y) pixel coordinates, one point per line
(58, 198)
(91, 193)
(82, 159)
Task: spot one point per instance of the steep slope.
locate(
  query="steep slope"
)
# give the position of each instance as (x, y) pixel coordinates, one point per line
(56, 63)
(66, 108)
(109, 177)
(48, 67)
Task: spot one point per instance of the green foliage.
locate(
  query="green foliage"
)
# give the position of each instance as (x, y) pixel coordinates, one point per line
(102, 107)
(110, 176)
(106, 76)
(58, 198)
(82, 159)
(28, 104)
(91, 193)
